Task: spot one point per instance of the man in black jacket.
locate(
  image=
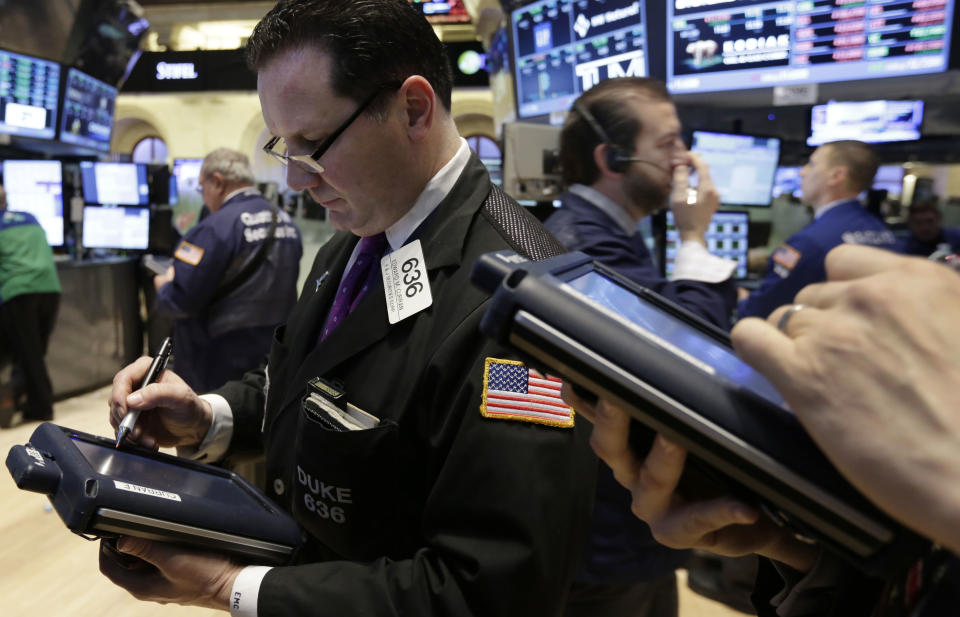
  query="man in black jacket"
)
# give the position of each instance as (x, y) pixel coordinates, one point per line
(471, 494)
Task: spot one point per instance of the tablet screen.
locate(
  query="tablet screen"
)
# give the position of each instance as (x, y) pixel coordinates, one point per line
(672, 333)
(145, 475)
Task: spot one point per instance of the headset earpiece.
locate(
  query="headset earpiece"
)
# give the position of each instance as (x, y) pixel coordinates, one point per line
(616, 159)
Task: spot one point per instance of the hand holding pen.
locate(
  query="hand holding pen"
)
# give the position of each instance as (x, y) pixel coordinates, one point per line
(153, 374)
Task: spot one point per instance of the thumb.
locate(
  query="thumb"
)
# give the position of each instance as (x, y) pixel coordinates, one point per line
(147, 550)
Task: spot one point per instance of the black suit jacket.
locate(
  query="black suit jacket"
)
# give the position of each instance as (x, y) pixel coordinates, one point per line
(438, 510)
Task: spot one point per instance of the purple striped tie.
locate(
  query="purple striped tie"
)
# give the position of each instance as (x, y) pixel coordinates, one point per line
(361, 276)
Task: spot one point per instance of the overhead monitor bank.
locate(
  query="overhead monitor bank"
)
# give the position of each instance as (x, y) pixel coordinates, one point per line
(87, 118)
(562, 48)
(728, 45)
(28, 95)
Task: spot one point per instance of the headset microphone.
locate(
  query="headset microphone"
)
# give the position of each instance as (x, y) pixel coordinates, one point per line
(616, 157)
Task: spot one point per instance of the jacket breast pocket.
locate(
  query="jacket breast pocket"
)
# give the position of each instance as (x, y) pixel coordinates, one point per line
(346, 486)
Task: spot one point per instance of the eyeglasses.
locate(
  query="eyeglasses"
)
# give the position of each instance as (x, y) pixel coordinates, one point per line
(276, 148)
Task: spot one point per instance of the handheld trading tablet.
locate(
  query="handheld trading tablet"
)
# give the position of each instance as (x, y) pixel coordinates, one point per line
(101, 491)
(678, 375)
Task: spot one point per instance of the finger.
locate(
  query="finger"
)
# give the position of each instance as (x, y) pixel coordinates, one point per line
(657, 481)
(681, 182)
(159, 395)
(579, 405)
(824, 295)
(125, 382)
(766, 349)
(851, 261)
(703, 172)
(610, 440)
(136, 576)
(697, 524)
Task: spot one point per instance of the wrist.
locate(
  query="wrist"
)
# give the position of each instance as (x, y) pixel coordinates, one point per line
(220, 599)
(204, 421)
(692, 236)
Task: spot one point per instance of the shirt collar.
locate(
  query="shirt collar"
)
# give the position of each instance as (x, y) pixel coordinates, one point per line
(830, 206)
(437, 188)
(607, 206)
(247, 190)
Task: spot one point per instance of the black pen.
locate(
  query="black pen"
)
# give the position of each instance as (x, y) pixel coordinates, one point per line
(153, 374)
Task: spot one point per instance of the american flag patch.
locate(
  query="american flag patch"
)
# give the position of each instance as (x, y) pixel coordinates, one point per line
(786, 256)
(189, 253)
(511, 391)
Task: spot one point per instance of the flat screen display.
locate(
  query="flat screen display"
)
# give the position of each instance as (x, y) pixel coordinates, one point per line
(186, 173)
(449, 12)
(714, 45)
(121, 184)
(727, 236)
(787, 182)
(890, 179)
(116, 228)
(867, 121)
(561, 48)
(741, 166)
(671, 333)
(28, 95)
(37, 187)
(87, 118)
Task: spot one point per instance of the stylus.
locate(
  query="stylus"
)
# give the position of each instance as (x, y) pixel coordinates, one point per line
(153, 373)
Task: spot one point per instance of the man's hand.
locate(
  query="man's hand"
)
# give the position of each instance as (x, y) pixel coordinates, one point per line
(693, 219)
(160, 572)
(721, 525)
(162, 279)
(173, 414)
(871, 368)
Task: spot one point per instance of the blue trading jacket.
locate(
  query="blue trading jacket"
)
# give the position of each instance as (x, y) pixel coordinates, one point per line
(218, 340)
(799, 261)
(949, 235)
(620, 548)
(581, 226)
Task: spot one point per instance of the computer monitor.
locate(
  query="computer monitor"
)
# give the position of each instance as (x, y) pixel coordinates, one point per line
(88, 105)
(561, 48)
(787, 182)
(890, 179)
(28, 95)
(727, 236)
(743, 44)
(448, 12)
(119, 184)
(742, 166)
(37, 187)
(189, 202)
(866, 121)
(116, 228)
(531, 164)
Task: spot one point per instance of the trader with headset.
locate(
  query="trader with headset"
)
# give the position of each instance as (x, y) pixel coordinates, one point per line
(623, 159)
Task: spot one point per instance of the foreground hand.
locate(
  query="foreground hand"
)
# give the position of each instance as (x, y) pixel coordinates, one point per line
(693, 219)
(722, 525)
(173, 414)
(166, 573)
(871, 367)
(162, 279)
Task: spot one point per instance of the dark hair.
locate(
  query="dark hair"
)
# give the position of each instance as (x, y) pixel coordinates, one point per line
(371, 42)
(609, 103)
(858, 158)
(929, 204)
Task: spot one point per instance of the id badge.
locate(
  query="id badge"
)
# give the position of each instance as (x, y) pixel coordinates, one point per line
(405, 282)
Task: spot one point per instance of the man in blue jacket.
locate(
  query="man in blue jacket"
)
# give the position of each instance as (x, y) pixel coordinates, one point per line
(623, 160)
(234, 277)
(833, 177)
(927, 232)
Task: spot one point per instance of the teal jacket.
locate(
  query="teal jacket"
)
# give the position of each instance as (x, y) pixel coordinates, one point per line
(26, 261)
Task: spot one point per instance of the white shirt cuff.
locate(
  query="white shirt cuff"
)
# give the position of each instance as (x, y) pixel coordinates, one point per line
(217, 439)
(246, 591)
(694, 262)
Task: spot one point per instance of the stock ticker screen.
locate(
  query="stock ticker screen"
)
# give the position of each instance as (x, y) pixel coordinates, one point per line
(28, 95)
(88, 106)
(734, 44)
(563, 47)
